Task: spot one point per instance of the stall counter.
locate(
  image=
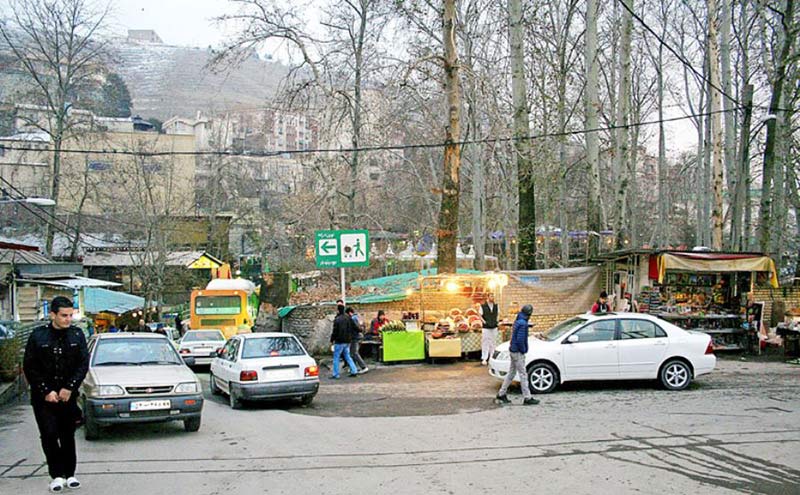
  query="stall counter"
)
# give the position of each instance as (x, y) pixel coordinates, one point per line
(403, 346)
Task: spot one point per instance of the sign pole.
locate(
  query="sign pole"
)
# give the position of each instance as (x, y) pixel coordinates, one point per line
(341, 277)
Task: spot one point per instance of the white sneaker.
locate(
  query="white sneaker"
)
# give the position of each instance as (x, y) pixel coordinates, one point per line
(483, 363)
(57, 485)
(73, 483)
(363, 371)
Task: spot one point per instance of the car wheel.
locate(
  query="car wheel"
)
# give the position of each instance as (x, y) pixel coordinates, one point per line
(191, 424)
(307, 400)
(215, 390)
(543, 378)
(233, 397)
(675, 375)
(91, 430)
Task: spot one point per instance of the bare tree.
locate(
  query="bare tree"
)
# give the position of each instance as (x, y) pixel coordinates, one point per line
(57, 45)
(591, 111)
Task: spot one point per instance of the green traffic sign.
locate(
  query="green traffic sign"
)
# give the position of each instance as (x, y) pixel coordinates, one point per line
(341, 248)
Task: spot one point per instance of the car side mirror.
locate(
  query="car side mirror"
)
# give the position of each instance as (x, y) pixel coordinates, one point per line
(573, 339)
(188, 360)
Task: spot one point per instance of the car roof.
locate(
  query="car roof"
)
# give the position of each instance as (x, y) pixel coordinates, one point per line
(122, 335)
(607, 316)
(264, 334)
(204, 330)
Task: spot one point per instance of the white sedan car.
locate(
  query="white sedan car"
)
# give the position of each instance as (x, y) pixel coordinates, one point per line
(202, 345)
(622, 346)
(264, 366)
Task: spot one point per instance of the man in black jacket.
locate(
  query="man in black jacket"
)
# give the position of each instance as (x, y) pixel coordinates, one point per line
(340, 338)
(55, 364)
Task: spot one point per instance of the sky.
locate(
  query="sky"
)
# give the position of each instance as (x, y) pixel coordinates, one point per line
(178, 22)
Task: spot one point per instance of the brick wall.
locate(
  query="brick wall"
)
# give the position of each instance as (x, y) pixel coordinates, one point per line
(789, 297)
(312, 325)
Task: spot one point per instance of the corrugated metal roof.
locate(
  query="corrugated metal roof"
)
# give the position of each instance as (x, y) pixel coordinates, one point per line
(96, 300)
(71, 282)
(23, 257)
(137, 258)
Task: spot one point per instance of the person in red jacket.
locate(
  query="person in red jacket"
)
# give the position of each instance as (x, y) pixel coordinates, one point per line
(601, 306)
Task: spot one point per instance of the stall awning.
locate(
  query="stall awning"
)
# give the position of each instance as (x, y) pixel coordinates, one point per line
(716, 262)
(96, 300)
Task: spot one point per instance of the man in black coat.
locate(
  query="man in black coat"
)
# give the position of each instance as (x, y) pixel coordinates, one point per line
(341, 337)
(55, 364)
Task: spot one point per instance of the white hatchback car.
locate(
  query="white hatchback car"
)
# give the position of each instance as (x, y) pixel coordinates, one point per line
(621, 346)
(202, 345)
(264, 366)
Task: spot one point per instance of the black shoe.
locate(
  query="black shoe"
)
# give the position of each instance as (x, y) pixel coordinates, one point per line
(530, 402)
(503, 399)
(353, 375)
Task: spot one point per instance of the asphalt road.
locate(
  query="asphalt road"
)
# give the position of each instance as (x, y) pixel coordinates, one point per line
(434, 429)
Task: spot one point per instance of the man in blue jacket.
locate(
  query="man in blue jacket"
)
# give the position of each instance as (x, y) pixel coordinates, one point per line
(518, 349)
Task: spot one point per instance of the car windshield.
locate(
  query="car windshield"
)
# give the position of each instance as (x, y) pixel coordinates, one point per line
(133, 351)
(562, 328)
(271, 347)
(203, 335)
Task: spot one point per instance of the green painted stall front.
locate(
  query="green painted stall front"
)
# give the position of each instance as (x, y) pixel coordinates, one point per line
(403, 346)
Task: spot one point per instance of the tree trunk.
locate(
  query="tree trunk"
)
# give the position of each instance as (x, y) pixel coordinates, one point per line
(592, 104)
(741, 178)
(663, 201)
(767, 174)
(55, 183)
(527, 197)
(716, 124)
(448, 212)
(356, 114)
(622, 134)
(727, 83)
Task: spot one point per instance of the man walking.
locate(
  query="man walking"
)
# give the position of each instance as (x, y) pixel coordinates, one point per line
(489, 336)
(341, 337)
(55, 364)
(518, 349)
(355, 342)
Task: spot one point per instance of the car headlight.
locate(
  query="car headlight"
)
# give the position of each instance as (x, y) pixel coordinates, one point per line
(108, 390)
(503, 356)
(186, 388)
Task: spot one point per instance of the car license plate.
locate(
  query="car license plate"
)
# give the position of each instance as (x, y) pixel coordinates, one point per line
(281, 374)
(150, 405)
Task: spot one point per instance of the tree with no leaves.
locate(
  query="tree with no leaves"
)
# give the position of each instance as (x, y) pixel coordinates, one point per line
(55, 44)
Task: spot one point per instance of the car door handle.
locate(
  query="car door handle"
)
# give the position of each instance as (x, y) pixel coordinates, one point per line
(660, 343)
(611, 346)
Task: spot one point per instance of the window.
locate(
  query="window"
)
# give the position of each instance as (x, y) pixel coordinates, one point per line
(151, 168)
(562, 328)
(271, 347)
(218, 305)
(228, 351)
(598, 331)
(639, 329)
(98, 166)
(135, 351)
(199, 335)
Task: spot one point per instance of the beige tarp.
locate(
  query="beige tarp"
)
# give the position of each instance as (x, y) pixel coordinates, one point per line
(556, 291)
(733, 264)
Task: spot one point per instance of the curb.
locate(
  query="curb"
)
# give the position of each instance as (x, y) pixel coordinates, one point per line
(9, 392)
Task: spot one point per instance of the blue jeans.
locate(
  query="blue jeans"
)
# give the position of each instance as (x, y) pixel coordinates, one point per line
(338, 350)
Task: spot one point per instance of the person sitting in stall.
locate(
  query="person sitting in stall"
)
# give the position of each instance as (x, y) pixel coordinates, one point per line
(377, 323)
(601, 305)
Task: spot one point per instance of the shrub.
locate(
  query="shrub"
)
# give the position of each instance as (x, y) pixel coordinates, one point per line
(10, 359)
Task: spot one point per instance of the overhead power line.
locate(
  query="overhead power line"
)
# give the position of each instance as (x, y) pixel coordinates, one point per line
(396, 147)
